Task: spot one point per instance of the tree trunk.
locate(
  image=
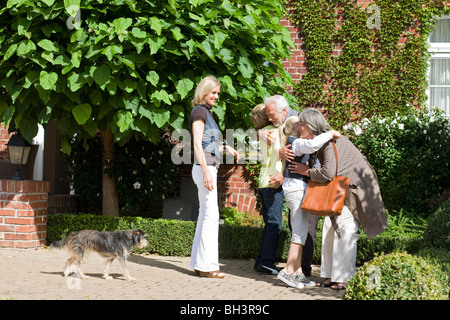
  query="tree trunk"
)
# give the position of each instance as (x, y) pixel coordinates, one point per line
(110, 199)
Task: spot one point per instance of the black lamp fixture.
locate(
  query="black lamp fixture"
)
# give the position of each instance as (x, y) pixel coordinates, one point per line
(18, 150)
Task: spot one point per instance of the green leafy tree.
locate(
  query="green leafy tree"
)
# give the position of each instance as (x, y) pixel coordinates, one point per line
(128, 68)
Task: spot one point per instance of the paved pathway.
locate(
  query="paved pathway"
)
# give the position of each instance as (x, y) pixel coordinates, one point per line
(37, 274)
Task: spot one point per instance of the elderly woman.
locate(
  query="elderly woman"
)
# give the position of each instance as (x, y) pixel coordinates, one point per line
(363, 205)
(205, 248)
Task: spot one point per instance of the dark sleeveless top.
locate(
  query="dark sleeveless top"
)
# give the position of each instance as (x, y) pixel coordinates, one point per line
(302, 159)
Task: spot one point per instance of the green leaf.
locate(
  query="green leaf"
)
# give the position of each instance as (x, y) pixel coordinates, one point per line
(65, 146)
(155, 24)
(7, 116)
(75, 81)
(82, 113)
(138, 33)
(250, 22)
(11, 50)
(47, 80)
(22, 26)
(29, 129)
(146, 113)
(62, 60)
(124, 119)
(102, 75)
(228, 83)
(47, 45)
(96, 97)
(76, 58)
(47, 56)
(71, 3)
(160, 117)
(122, 24)
(155, 43)
(25, 47)
(173, 3)
(131, 103)
(245, 67)
(48, 2)
(128, 60)
(219, 38)
(129, 85)
(112, 50)
(45, 114)
(153, 78)
(206, 47)
(177, 117)
(162, 96)
(184, 86)
(177, 35)
(91, 127)
(31, 77)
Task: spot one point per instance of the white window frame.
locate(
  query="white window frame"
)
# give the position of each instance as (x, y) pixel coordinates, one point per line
(437, 50)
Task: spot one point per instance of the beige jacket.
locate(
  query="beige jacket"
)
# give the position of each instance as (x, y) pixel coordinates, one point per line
(363, 198)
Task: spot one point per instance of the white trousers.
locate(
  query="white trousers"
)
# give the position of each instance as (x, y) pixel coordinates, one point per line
(205, 248)
(299, 219)
(339, 254)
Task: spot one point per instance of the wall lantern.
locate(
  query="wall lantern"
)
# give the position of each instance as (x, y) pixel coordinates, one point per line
(18, 150)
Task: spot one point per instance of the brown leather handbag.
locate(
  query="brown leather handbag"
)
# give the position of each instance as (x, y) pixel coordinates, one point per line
(326, 199)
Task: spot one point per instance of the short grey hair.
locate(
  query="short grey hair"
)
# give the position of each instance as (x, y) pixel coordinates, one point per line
(279, 101)
(315, 121)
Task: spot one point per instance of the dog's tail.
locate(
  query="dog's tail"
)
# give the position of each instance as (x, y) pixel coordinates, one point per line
(59, 244)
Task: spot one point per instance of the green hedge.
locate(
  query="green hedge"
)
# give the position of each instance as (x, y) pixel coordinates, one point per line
(437, 234)
(398, 276)
(174, 237)
(422, 273)
(168, 237)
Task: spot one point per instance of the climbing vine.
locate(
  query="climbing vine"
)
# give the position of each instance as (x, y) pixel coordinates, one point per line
(364, 59)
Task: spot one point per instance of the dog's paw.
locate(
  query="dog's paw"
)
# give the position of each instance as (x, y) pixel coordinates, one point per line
(130, 278)
(106, 277)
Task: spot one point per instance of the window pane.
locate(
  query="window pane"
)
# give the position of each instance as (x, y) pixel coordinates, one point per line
(440, 97)
(441, 31)
(440, 72)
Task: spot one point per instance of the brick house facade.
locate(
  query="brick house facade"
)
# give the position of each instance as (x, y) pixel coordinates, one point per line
(233, 186)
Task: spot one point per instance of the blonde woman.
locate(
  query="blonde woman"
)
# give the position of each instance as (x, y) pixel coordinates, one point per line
(207, 151)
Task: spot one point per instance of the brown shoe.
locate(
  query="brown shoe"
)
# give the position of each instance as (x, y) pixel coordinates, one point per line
(211, 274)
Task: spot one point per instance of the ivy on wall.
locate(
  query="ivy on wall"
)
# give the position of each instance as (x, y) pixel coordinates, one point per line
(382, 65)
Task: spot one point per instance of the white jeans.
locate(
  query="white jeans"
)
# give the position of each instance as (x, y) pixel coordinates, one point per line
(339, 255)
(298, 218)
(205, 249)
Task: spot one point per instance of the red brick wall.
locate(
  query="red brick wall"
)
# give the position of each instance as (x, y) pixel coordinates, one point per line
(233, 186)
(4, 138)
(296, 65)
(23, 213)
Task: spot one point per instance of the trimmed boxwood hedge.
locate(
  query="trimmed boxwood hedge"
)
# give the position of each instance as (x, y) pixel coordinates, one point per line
(168, 237)
(398, 276)
(174, 237)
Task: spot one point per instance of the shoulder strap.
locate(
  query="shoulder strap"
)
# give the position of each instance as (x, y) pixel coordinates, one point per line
(335, 152)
